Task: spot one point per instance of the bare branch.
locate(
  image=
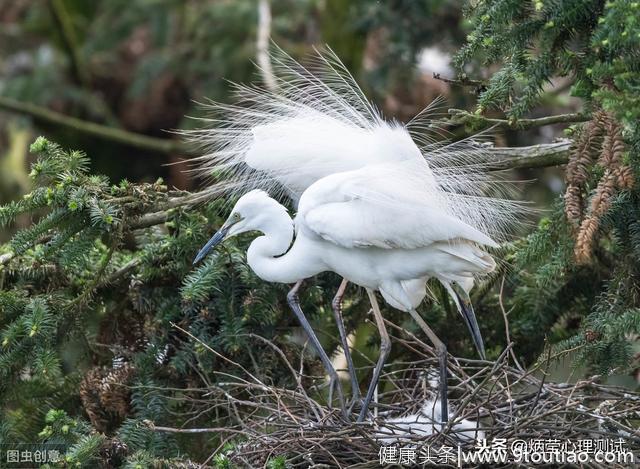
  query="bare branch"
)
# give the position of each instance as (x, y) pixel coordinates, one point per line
(458, 116)
(461, 81)
(262, 45)
(64, 23)
(142, 142)
(157, 428)
(534, 156)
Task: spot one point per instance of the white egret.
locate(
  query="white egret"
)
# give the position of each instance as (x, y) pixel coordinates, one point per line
(322, 125)
(345, 225)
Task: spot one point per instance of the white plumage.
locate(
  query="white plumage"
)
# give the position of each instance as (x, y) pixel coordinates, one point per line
(381, 205)
(373, 206)
(416, 427)
(320, 123)
(400, 273)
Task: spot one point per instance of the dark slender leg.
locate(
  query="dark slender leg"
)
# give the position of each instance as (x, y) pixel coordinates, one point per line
(294, 304)
(444, 386)
(441, 350)
(336, 304)
(385, 348)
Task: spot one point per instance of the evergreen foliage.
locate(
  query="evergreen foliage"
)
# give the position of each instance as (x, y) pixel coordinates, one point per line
(579, 271)
(87, 306)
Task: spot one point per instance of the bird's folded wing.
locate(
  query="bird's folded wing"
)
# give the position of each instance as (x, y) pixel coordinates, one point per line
(377, 208)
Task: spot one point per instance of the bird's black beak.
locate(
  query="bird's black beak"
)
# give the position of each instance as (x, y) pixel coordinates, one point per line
(469, 316)
(213, 242)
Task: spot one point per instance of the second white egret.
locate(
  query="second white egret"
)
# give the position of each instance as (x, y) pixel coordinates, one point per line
(377, 227)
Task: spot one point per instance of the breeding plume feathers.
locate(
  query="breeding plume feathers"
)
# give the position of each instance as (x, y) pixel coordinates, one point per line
(318, 123)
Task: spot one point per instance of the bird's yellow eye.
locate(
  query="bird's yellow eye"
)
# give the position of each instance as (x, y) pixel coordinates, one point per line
(235, 217)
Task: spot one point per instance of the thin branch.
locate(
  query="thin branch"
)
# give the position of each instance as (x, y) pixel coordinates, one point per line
(461, 81)
(64, 24)
(143, 142)
(157, 428)
(262, 45)
(458, 116)
(505, 316)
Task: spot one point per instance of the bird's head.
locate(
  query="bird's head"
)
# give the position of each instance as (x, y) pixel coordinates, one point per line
(253, 212)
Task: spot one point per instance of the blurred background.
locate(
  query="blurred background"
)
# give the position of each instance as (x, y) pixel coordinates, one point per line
(142, 66)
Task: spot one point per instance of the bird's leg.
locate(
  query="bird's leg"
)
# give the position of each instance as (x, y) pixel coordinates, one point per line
(441, 351)
(385, 348)
(294, 304)
(336, 304)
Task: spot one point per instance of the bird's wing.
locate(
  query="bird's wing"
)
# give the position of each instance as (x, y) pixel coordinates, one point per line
(318, 122)
(313, 125)
(387, 206)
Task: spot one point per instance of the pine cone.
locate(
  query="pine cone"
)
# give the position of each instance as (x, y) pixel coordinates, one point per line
(90, 396)
(105, 395)
(114, 393)
(591, 336)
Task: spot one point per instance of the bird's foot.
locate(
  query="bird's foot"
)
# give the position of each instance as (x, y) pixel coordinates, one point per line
(355, 403)
(333, 386)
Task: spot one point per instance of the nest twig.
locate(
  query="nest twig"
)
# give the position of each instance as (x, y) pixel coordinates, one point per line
(264, 421)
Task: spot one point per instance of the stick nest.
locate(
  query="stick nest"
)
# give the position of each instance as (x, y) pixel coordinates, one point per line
(507, 401)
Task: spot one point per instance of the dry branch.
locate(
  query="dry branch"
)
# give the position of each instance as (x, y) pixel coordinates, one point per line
(536, 156)
(142, 142)
(262, 45)
(263, 421)
(459, 116)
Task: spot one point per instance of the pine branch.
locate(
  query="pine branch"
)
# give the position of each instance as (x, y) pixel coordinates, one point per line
(461, 81)
(534, 156)
(458, 116)
(160, 216)
(142, 142)
(123, 271)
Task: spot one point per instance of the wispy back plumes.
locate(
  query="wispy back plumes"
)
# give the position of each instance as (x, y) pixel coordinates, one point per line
(317, 123)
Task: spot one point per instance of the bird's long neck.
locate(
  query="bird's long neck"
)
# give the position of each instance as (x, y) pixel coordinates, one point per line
(266, 254)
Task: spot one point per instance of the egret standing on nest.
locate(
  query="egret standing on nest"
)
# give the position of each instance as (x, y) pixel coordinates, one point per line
(387, 226)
